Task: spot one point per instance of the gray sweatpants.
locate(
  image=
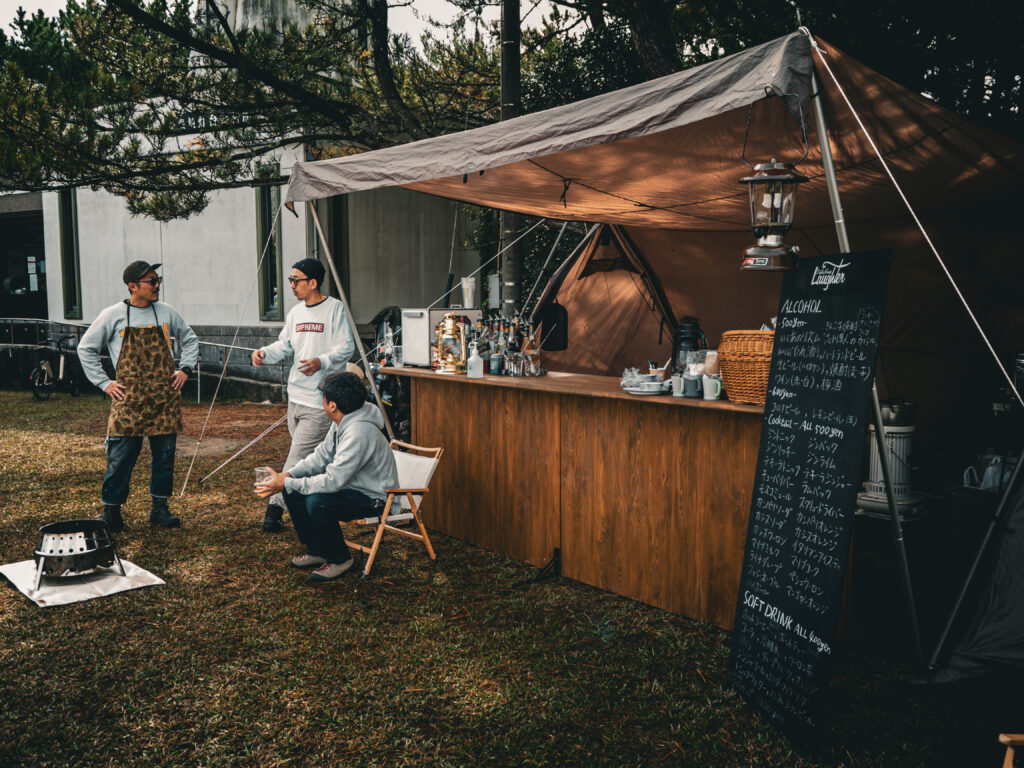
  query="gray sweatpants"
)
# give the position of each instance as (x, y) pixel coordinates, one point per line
(308, 427)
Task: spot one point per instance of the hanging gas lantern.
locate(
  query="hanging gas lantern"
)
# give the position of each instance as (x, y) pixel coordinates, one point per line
(772, 191)
(772, 202)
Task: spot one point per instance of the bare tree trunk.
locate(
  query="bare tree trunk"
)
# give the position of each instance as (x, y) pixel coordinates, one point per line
(650, 23)
(377, 11)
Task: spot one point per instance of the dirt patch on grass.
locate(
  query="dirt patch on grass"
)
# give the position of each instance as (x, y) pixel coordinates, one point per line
(210, 446)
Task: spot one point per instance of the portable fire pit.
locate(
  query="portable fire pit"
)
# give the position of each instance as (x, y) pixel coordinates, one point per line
(74, 547)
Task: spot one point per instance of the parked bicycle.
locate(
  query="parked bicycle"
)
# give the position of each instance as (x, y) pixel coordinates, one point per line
(43, 379)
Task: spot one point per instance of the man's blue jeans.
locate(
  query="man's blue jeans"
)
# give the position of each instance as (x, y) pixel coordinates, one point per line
(123, 452)
(316, 517)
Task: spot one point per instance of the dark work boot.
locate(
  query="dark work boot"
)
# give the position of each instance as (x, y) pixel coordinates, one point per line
(272, 518)
(112, 517)
(161, 515)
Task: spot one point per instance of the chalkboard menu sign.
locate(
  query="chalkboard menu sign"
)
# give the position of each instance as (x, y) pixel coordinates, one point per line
(808, 475)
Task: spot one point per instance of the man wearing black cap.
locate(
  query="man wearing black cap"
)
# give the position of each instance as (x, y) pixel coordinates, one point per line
(145, 392)
(316, 334)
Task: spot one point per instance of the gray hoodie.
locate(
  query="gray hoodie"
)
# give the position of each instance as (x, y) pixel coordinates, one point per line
(355, 455)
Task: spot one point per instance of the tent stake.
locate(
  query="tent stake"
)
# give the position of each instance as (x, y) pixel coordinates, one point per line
(883, 448)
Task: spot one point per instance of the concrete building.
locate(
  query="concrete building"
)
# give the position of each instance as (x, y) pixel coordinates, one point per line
(62, 254)
(390, 247)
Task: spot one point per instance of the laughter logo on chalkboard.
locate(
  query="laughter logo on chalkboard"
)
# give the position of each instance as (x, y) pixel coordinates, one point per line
(830, 273)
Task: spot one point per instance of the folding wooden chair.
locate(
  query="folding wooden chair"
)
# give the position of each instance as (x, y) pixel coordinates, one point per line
(1013, 741)
(416, 466)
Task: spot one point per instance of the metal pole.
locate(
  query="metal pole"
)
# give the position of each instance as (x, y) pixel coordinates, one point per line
(509, 223)
(883, 447)
(897, 527)
(351, 319)
(829, 165)
(547, 261)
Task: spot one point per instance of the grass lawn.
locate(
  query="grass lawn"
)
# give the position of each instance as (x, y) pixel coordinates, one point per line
(239, 660)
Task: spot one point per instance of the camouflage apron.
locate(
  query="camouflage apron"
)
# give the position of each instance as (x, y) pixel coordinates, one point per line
(145, 367)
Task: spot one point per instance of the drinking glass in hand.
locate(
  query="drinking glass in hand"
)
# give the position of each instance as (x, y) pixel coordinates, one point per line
(262, 475)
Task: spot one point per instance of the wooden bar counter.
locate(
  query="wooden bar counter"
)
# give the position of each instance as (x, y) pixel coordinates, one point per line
(645, 496)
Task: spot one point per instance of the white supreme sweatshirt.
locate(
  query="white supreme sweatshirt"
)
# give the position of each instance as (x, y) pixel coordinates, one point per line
(320, 331)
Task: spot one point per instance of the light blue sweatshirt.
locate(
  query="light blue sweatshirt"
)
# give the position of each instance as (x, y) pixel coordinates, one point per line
(320, 331)
(107, 330)
(354, 455)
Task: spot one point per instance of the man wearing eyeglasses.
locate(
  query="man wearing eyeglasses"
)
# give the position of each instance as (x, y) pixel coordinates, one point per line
(145, 392)
(317, 335)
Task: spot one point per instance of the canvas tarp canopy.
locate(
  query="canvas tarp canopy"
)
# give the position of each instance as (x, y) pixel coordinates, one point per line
(662, 159)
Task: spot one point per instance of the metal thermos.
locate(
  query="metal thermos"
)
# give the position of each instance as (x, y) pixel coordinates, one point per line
(688, 338)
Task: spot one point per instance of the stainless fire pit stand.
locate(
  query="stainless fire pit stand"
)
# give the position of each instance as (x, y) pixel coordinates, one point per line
(74, 547)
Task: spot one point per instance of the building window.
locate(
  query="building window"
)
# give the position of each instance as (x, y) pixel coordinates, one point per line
(268, 224)
(67, 207)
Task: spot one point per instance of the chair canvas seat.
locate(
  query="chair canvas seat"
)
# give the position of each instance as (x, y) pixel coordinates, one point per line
(416, 466)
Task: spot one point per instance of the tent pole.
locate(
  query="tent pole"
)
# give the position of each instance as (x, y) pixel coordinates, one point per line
(351, 319)
(897, 527)
(883, 448)
(829, 165)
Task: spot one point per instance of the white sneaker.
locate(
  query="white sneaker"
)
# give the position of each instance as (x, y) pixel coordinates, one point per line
(329, 571)
(306, 561)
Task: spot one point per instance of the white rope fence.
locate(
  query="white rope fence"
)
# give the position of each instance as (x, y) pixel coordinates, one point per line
(227, 356)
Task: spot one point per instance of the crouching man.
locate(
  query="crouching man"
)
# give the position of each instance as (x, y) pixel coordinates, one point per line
(343, 479)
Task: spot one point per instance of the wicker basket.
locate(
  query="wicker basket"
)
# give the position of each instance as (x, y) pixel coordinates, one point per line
(745, 358)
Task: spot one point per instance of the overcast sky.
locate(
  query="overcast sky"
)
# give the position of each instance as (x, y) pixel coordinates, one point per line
(403, 19)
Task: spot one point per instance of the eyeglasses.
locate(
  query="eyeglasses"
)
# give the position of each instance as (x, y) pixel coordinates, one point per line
(297, 280)
(154, 281)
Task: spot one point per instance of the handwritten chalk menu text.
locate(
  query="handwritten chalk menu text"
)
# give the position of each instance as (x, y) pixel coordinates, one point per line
(808, 473)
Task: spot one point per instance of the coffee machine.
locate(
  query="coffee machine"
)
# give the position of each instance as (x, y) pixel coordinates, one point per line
(688, 338)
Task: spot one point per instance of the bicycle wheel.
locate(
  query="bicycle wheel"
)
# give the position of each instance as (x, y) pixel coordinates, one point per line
(41, 389)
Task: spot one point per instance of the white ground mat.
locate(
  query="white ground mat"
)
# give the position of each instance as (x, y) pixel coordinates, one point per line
(72, 589)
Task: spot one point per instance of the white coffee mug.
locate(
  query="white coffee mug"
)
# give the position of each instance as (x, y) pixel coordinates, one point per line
(712, 387)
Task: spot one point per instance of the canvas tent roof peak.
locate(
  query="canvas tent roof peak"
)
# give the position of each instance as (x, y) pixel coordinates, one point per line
(781, 66)
(666, 154)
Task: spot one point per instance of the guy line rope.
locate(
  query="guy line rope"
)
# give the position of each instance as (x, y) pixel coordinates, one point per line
(821, 56)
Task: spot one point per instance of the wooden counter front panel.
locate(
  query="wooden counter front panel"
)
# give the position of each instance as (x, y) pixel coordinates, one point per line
(655, 502)
(497, 484)
(646, 499)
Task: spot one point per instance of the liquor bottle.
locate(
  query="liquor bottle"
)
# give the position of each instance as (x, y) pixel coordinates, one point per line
(494, 362)
(530, 350)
